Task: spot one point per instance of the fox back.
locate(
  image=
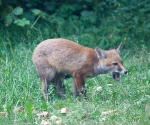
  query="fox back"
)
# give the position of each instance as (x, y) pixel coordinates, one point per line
(65, 56)
(55, 58)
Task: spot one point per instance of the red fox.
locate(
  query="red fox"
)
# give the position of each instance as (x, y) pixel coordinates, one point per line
(56, 58)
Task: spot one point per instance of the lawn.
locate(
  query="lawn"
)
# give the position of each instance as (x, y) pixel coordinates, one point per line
(108, 102)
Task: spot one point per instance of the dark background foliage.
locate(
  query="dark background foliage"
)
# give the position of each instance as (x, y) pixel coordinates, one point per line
(92, 22)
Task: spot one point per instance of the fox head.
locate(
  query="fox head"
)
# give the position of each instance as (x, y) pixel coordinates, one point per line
(109, 62)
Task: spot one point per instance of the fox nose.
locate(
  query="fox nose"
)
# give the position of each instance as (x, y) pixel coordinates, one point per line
(125, 72)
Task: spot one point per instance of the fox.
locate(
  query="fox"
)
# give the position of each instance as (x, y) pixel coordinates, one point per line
(58, 58)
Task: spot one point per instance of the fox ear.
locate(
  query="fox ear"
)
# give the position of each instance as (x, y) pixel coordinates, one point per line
(100, 53)
(118, 47)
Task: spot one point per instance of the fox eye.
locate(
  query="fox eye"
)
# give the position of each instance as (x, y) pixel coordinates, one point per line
(115, 64)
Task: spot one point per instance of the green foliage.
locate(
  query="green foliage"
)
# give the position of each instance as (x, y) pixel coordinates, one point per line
(22, 22)
(17, 11)
(11, 14)
(109, 22)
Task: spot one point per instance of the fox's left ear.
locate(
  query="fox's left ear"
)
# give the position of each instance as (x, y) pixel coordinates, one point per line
(118, 47)
(100, 53)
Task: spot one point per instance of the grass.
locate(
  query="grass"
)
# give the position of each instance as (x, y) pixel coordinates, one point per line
(20, 86)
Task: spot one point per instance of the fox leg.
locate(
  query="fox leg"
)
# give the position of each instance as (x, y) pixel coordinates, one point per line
(78, 82)
(76, 92)
(44, 88)
(58, 85)
(47, 75)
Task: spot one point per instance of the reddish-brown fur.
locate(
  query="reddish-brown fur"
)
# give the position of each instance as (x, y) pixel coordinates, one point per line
(54, 58)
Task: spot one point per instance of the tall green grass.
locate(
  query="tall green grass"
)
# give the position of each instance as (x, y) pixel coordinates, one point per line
(20, 86)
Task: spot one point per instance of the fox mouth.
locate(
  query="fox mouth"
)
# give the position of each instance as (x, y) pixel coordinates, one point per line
(116, 76)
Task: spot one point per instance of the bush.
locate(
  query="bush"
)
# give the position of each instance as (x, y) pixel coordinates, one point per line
(105, 23)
